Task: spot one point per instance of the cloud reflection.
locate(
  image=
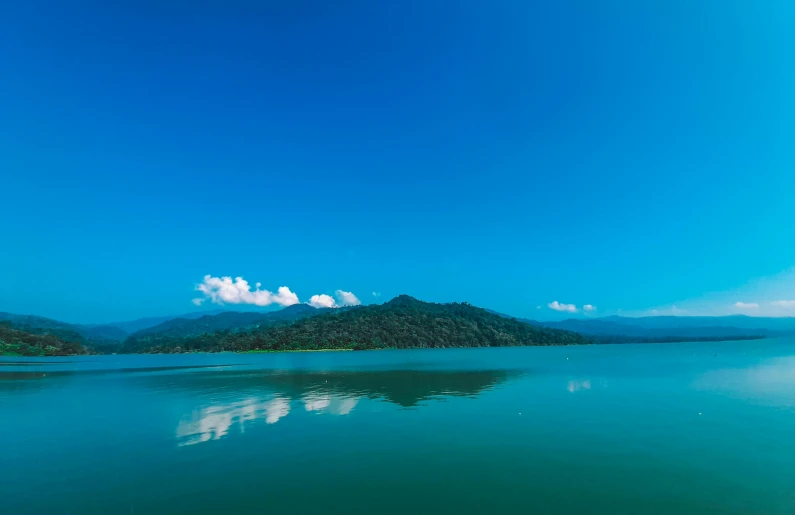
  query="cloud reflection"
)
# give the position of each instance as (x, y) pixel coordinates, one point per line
(325, 403)
(277, 408)
(214, 422)
(315, 402)
(576, 385)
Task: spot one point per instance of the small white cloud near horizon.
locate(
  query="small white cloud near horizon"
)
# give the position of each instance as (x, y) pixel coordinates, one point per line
(589, 308)
(764, 291)
(557, 306)
(745, 305)
(346, 298)
(223, 290)
(322, 301)
(376, 294)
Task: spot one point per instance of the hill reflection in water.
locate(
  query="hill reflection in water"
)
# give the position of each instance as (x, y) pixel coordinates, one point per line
(271, 395)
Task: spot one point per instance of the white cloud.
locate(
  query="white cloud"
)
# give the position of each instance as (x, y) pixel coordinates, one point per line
(763, 291)
(346, 298)
(745, 305)
(376, 294)
(223, 290)
(322, 301)
(589, 308)
(557, 306)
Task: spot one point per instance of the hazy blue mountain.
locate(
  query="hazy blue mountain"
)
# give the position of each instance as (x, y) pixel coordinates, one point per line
(786, 324)
(672, 326)
(97, 337)
(102, 332)
(234, 321)
(226, 321)
(132, 326)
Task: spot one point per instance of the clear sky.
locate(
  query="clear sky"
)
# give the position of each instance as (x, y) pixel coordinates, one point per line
(627, 155)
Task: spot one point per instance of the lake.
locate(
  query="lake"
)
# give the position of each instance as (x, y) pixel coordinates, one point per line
(688, 428)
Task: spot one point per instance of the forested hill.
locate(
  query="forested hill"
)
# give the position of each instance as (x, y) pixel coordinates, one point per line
(170, 334)
(403, 322)
(97, 338)
(17, 342)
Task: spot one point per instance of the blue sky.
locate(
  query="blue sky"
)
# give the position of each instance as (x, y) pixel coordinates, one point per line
(628, 155)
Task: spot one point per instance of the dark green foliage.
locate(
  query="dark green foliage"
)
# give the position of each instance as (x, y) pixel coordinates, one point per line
(133, 326)
(14, 341)
(182, 327)
(98, 338)
(172, 333)
(402, 323)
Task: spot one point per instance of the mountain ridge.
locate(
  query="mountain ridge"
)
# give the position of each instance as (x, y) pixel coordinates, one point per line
(99, 337)
(403, 322)
(110, 338)
(227, 321)
(676, 326)
(16, 341)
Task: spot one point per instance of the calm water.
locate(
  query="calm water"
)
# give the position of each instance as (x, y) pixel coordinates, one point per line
(632, 429)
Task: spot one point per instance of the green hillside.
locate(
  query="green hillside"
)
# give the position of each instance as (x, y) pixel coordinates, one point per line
(172, 333)
(17, 342)
(97, 338)
(403, 322)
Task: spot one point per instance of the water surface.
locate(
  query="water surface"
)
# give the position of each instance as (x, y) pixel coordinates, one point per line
(619, 429)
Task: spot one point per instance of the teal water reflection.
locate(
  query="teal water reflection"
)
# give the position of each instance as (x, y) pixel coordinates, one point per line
(653, 429)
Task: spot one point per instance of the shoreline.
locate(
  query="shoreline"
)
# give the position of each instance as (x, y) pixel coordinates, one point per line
(268, 351)
(592, 343)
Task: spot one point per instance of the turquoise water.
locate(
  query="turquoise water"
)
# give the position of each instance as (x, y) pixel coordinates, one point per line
(618, 429)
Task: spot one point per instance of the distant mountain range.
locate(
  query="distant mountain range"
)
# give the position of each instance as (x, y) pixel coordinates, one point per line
(375, 326)
(101, 338)
(18, 342)
(178, 329)
(97, 337)
(140, 324)
(671, 326)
